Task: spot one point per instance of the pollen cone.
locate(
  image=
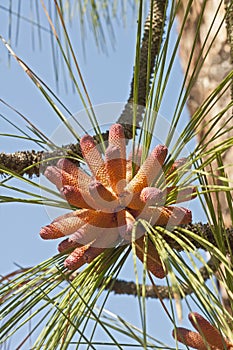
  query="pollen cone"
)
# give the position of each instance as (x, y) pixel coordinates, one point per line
(103, 199)
(58, 177)
(209, 332)
(69, 224)
(190, 338)
(149, 170)
(68, 244)
(154, 264)
(82, 179)
(117, 138)
(116, 168)
(76, 197)
(93, 158)
(76, 259)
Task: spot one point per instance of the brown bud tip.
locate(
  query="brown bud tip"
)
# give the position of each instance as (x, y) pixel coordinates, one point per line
(47, 233)
(76, 258)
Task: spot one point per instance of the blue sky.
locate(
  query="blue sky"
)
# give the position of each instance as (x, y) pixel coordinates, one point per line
(107, 77)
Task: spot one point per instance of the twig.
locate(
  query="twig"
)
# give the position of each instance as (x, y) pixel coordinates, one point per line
(162, 292)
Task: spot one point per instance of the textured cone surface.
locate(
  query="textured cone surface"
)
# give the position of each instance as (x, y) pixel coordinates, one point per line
(60, 178)
(154, 264)
(135, 203)
(53, 174)
(87, 234)
(68, 167)
(82, 179)
(75, 197)
(76, 259)
(92, 253)
(190, 338)
(149, 169)
(116, 169)
(93, 158)
(108, 238)
(80, 212)
(117, 138)
(68, 225)
(209, 332)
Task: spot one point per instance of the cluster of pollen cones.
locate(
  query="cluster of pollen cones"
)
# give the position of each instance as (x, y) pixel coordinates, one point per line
(207, 336)
(112, 199)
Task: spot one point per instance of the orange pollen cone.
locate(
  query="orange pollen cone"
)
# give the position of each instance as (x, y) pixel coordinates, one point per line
(163, 216)
(116, 169)
(75, 197)
(67, 244)
(103, 199)
(69, 224)
(190, 338)
(154, 264)
(117, 138)
(76, 259)
(93, 158)
(149, 170)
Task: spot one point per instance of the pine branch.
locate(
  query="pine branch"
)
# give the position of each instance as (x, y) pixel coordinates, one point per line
(160, 292)
(33, 163)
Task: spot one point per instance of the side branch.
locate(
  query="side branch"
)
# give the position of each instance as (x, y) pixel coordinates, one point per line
(160, 292)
